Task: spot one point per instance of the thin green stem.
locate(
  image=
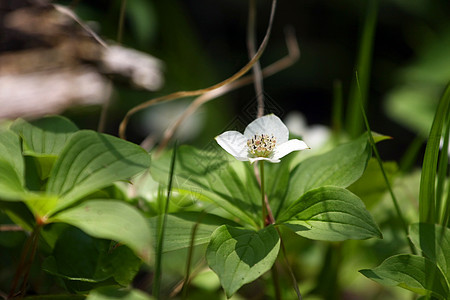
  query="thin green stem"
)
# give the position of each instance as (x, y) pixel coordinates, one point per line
(383, 172)
(276, 282)
(263, 195)
(161, 229)
(288, 266)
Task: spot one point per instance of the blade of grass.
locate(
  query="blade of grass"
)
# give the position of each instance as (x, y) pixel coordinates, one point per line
(427, 201)
(161, 229)
(190, 255)
(354, 124)
(442, 171)
(383, 171)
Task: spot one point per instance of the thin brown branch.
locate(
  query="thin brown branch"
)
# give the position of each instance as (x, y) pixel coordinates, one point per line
(10, 227)
(283, 63)
(183, 94)
(251, 46)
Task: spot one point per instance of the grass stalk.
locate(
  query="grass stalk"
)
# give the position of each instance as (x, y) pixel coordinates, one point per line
(383, 172)
(427, 194)
(442, 172)
(161, 229)
(354, 124)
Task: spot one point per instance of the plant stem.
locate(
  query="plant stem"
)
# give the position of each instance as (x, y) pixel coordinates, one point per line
(161, 229)
(263, 195)
(251, 46)
(276, 282)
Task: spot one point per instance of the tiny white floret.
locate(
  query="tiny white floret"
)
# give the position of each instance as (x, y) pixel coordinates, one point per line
(266, 138)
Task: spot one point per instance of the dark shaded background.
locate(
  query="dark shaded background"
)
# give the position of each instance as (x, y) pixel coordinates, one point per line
(202, 42)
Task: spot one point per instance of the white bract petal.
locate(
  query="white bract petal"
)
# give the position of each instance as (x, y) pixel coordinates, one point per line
(234, 143)
(270, 125)
(265, 138)
(288, 147)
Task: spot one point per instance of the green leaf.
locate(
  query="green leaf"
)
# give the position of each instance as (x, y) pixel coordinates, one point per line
(91, 161)
(179, 226)
(11, 185)
(434, 241)
(213, 176)
(110, 219)
(44, 136)
(331, 214)
(76, 256)
(11, 167)
(276, 183)
(11, 152)
(411, 272)
(79, 257)
(114, 293)
(44, 139)
(427, 213)
(339, 167)
(239, 256)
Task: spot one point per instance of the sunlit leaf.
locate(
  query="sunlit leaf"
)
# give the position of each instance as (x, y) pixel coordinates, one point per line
(11, 167)
(239, 256)
(90, 161)
(411, 272)
(179, 227)
(339, 167)
(114, 293)
(434, 242)
(110, 219)
(331, 214)
(44, 136)
(213, 176)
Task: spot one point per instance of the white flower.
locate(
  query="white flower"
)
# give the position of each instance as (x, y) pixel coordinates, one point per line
(265, 138)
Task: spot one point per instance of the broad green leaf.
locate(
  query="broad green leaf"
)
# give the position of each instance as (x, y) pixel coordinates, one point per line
(212, 175)
(44, 139)
(331, 214)
(434, 242)
(44, 136)
(11, 185)
(11, 167)
(339, 167)
(11, 152)
(114, 293)
(110, 219)
(91, 161)
(276, 183)
(411, 272)
(79, 257)
(40, 204)
(239, 256)
(179, 226)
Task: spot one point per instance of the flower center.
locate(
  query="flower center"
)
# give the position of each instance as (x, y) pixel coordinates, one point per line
(261, 145)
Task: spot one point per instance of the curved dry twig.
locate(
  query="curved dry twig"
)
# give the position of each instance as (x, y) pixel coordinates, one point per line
(183, 94)
(283, 63)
